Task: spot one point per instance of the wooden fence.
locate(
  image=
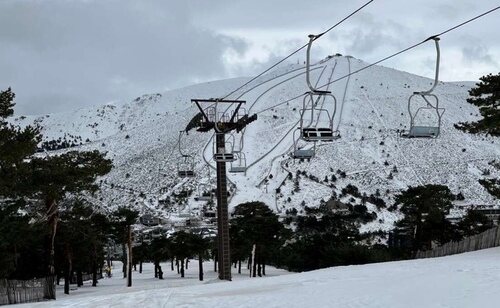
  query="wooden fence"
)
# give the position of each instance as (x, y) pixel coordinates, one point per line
(23, 291)
(487, 239)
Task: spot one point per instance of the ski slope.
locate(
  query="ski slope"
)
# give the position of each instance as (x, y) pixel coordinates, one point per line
(465, 280)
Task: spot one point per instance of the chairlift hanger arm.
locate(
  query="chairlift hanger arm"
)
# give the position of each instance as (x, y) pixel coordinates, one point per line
(201, 109)
(436, 39)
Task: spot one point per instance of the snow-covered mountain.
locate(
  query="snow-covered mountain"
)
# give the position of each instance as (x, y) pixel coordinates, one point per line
(142, 139)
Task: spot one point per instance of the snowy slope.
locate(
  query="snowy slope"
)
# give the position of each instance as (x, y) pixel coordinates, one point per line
(142, 138)
(465, 280)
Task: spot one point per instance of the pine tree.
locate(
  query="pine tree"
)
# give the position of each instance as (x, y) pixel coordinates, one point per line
(16, 146)
(260, 228)
(486, 96)
(425, 209)
(124, 219)
(49, 179)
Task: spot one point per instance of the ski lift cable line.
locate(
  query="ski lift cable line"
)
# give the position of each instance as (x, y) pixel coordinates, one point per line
(297, 50)
(415, 45)
(209, 142)
(291, 129)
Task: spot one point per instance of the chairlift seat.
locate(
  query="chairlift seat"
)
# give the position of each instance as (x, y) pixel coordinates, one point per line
(237, 169)
(186, 173)
(203, 198)
(321, 92)
(303, 154)
(317, 134)
(422, 132)
(224, 157)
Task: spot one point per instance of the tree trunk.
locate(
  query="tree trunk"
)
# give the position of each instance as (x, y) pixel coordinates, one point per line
(259, 261)
(124, 260)
(177, 264)
(172, 264)
(79, 278)
(200, 266)
(187, 261)
(140, 267)
(69, 269)
(108, 258)
(129, 256)
(94, 273)
(216, 257)
(182, 268)
(254, 264)
(52, 218)
(160, 272)
(135, 267)
(239, 266)
(67, 277)
(264, 268)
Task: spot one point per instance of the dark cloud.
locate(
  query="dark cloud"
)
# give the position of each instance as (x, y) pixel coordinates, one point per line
(58, 54)
(62, 54)
(475, 53)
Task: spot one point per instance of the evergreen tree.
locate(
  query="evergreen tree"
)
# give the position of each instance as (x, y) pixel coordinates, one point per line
(473, 223)
(124, 219)
(182, 248)
(425, 209)
(49, 179)
(159, 250)
(486, 96)
(258, 224)
(200, 246)
(16, 146)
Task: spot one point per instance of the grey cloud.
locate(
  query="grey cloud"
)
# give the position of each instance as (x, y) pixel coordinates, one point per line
(61, 54)
(478, 53)
(58, 54)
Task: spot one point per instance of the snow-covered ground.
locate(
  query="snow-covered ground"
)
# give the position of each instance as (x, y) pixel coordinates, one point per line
(465, 280)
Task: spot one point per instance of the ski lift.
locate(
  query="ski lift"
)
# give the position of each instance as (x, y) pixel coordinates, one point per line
(185, 167)
(426, 131)
(301, 153)
(316, 132)
(240, 164)
(205, 193)
(225, 153)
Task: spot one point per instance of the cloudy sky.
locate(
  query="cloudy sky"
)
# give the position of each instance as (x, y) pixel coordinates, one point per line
(59, 55)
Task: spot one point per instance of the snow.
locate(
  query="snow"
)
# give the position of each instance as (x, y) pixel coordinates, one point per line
(141, 136)
(465, 280)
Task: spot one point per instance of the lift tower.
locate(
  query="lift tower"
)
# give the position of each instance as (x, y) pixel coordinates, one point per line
(222, 116)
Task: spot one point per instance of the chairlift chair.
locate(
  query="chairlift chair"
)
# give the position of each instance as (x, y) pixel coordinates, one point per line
(185, 167)
(310, 132)
(301, 153)
(240, 164)
(202, 196)
(426, 131)
(226, 153)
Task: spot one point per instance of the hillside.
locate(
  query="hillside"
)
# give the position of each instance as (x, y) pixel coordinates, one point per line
(464, 280)
(142, 138)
